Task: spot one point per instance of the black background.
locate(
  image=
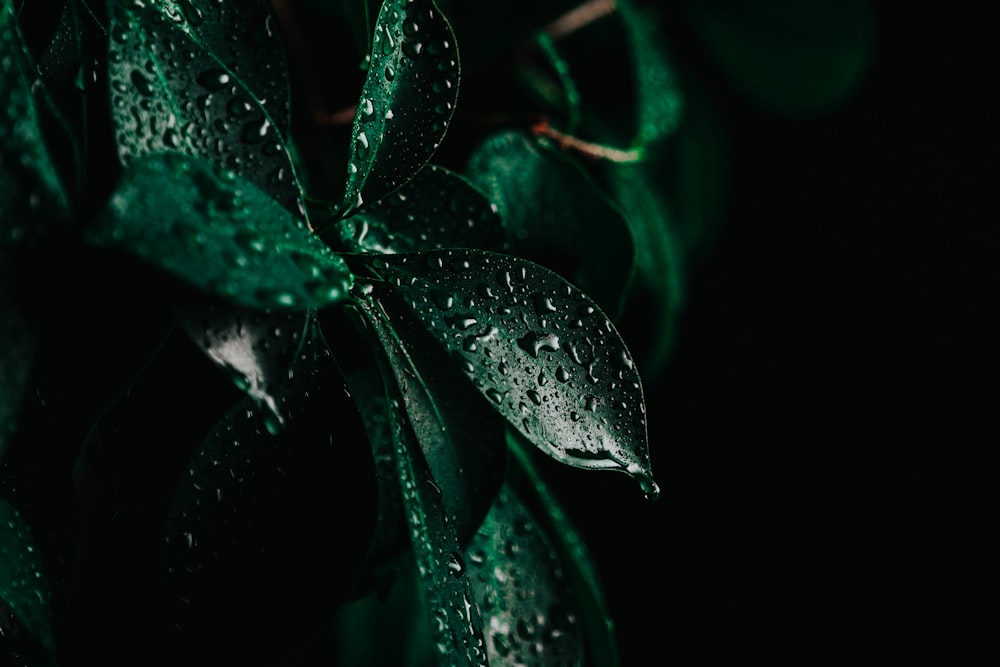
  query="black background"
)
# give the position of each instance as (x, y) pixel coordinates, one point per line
(821, 431)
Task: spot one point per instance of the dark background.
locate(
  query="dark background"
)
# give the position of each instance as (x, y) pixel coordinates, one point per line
(821, 430)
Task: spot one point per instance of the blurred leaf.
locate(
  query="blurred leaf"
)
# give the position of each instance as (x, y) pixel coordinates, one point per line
(529, 610)
(658, 99)
(33, 194)
(195, 105)
(23, 584)
(437, 209)
(539, 350)
(555, 215)
(407, 100)
(789, 57)
(658, 255)
(488, 28)
(220, 234)
(460, 436)
(361, 625)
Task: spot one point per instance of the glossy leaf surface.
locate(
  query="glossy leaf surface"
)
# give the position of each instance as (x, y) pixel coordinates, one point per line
(24, 586)
(461, 438)
(407, 100)
(168, 93)
(527, 602)
(539, 350)
(455, 622)
(220, 234)
(789, 57)
(437, 209)
(256, 59)
(554, 214)
(257, 349)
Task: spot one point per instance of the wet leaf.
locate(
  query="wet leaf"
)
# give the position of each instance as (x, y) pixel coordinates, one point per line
(575, 559)
(32, 194)
(789, 57)
(437, 209)
(168, 93)
(256, 59)
(460, 436)
(455, 623)
(526, 599)
(258, 350)
(220, 234)
(24, 586)
(541, 352)
(407, 100)
(266, 532)
(555, 215)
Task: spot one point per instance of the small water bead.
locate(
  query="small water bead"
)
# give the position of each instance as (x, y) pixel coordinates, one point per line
(141, 84)
(214, 79)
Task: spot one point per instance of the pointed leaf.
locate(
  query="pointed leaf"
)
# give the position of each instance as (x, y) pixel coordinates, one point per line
(168, 93)
(437, 209)
(554, 214)
(461, 438)
(220, 234)
(407, 100)
(23, 584)
(257, 349)
(528, 606)
(789, 57)
(538, 349)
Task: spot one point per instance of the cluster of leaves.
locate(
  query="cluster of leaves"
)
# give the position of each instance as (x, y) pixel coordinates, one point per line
(278, 363)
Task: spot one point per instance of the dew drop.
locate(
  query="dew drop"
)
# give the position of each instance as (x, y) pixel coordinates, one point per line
(141, 83)
(214, 79)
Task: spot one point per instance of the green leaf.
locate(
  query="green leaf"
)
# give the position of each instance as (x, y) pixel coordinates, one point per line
(191, 104)
(256, 59)
(407, 100)
(658, 99)
(267, 532)
(658, 253)
(555, 215)
(460, 437)
(33, 194)
(789, 57)
(23, 584)
(257, 349)
(529, 611)
(455, 623)
(220, 234)
(537, 348)
(437, 209)
(574, 557)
